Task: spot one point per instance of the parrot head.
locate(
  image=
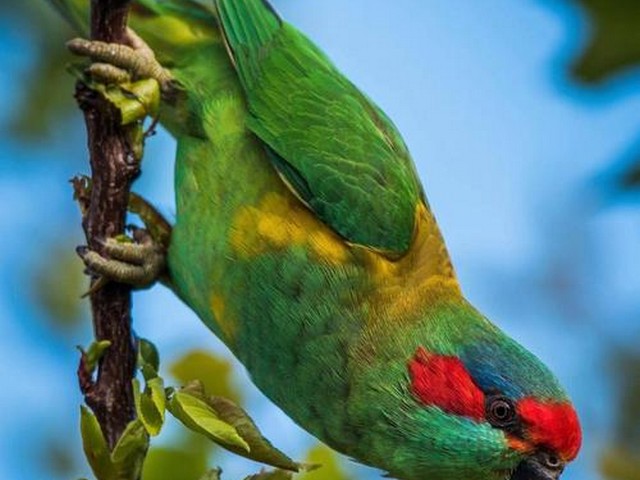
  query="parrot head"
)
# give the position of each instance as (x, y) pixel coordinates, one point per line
(476, 405)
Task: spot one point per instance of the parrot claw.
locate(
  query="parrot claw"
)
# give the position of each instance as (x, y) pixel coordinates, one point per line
(139, 263)
(107, 73)
(113, 60)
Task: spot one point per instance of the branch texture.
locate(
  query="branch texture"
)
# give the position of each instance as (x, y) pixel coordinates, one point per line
(113, 168)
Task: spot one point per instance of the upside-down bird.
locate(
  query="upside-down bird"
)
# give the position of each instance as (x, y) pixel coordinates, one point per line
(304, 240)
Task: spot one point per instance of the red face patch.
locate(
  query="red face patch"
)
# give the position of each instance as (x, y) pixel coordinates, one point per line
(552, 425)
(444, 382)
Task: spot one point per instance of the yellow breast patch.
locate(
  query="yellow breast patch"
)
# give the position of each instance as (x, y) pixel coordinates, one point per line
(223, 318)
(423, 276)
(280, 221)
(395, 288)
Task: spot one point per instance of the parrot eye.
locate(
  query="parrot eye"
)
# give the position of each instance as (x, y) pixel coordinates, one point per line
(500, 412)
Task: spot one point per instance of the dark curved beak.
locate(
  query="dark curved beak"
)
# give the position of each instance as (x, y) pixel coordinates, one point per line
(540, 466)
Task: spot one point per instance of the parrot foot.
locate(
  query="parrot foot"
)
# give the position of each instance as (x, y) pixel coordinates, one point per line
(138, 261)
(114, 63)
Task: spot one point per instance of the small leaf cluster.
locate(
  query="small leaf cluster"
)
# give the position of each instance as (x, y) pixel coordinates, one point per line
(216, 418)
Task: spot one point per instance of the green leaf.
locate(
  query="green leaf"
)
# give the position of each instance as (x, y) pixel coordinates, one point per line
(148, 359)
(95, 445)
(150, 404)
(125, 462)
(148, 353)
(94, 353)
(134, 100)
(129, 453)
(213, 372)
(157, 395)
(198, 416)
(272, 475)
(259, 448)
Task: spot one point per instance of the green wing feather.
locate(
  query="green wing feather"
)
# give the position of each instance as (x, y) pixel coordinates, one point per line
(333, 146)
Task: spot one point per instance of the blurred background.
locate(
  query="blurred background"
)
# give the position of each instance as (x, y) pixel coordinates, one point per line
(524, 120)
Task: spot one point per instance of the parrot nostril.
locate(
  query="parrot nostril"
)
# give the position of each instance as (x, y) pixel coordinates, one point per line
(553, 461)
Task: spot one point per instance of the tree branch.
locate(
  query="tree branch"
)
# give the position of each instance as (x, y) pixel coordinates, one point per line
(113, 168)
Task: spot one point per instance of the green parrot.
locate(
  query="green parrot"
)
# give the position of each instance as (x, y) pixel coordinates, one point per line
(304, 241)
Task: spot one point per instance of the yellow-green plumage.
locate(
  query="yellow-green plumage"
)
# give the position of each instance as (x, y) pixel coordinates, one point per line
(304, 241)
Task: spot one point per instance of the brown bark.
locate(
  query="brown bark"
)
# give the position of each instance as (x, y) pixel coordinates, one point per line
(113, 169)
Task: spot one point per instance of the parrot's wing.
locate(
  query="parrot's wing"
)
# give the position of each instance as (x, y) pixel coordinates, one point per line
(333, 146)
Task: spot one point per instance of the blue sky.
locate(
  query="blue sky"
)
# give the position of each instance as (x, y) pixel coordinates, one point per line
(509, 151)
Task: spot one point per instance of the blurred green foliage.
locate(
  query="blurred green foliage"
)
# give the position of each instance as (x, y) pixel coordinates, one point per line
(630, 179)
(214, 373)
(613, 47)
(621, 460)
(186, 458)
(58, 283)
(43, 108)
(60, 458)
(620, 464)
(626, 368)
(331, 468)
(614, 43)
